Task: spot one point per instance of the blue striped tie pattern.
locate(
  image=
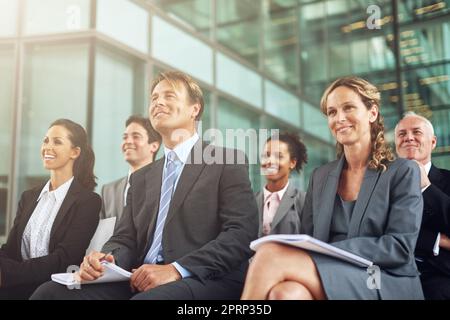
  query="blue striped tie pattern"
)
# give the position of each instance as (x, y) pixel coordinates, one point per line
(167, 188)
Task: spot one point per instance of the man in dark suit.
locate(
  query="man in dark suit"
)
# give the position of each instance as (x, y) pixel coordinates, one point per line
(140, 144)
(415, 139)
(188, 222)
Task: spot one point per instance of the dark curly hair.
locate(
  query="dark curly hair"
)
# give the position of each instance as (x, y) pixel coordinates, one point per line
(83, 167)
(296, 147)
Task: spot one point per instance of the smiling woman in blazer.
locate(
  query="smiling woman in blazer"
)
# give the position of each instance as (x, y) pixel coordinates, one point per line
(280, 202)
(54, 222)
(365, 202)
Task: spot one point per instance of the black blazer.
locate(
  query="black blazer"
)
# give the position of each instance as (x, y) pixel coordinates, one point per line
(211, 221)
(71, 233)
(436, 218)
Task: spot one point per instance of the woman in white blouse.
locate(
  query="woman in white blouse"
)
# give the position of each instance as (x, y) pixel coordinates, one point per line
(54, 222)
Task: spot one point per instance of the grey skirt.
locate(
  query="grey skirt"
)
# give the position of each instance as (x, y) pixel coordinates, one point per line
(345, 281)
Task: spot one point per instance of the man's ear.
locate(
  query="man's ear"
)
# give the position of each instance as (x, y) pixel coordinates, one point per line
(154, 146)
(433, 142)
(195, 110)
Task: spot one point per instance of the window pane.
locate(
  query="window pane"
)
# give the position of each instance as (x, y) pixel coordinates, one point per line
(49, 16)
(8, 17)
(125, 21)
(118, 78)
(6, 110)
(282, 104)
(239, 81)
(315, 122)
(185, 53)
(195, 14)
(318, 154)
(238, 27)
(55, 86)
(280, 45)
(235, 118)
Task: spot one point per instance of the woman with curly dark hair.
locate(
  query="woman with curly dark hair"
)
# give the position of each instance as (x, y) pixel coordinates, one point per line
(365, 202)
(56, 221)
(280, 202)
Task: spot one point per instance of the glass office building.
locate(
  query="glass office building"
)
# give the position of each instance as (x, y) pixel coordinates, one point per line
(262, 64)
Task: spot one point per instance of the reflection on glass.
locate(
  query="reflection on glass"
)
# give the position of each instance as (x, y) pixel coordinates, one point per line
(55, 86)
(282, 103)
(280, 45)
(238, 27)
(49, 16)
(118, 81)
(234, 120)
(195, 14)
(169, 43)
(239, 81)
(8, 18)
(6, 109)
(125, 21)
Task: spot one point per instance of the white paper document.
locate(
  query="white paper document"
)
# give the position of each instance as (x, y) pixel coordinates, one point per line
(307, 242)
(113, 273)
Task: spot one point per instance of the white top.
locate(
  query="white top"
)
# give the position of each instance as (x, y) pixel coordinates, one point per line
(36, 236)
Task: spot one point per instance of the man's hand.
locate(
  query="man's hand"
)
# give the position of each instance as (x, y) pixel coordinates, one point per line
(444, 242)
(91, 268)
(149, 276)
(424, 181)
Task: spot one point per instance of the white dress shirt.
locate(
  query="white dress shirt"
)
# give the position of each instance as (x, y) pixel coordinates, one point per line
(281, 193)
(182, 151)
(126, 189)
(36, 236)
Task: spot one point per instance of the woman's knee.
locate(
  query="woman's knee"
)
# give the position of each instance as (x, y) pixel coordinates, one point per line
(289, 290)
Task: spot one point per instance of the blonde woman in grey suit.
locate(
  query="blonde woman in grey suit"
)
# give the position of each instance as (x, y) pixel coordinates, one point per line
(365, 202)
(281, 202)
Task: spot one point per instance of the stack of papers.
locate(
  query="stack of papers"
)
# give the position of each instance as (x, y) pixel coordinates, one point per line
(307, 242)
(113, 273)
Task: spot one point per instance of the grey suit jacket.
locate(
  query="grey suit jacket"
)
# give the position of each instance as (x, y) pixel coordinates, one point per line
(112, 199)
(211, 221)
(287, 217)
(385, 222)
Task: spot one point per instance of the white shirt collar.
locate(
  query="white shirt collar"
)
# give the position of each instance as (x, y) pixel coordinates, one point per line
(428, 167)
(60, 192)
(281, 193)
(183, 149)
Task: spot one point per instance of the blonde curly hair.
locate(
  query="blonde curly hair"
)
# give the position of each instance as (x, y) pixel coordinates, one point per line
(381, 153)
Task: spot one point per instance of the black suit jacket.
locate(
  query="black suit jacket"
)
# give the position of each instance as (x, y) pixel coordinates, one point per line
(72, 230)
(436, 218)
(211, 220)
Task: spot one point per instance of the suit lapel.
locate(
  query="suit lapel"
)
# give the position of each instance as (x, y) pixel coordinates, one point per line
(365, 193)
(322, 220)
(260, 202)
(68, 201)
(29, 206)
(285, 205)
(119, 192)
(435, 176)
(153, 181)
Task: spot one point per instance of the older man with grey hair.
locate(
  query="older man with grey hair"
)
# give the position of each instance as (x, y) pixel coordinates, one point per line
(415, 140)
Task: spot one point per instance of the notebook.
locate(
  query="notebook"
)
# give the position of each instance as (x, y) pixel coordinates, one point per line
(113, 273)
(307, 242)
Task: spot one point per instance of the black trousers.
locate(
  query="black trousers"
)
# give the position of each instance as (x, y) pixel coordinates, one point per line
(17, 292)
(226, 288)
(435, 284)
